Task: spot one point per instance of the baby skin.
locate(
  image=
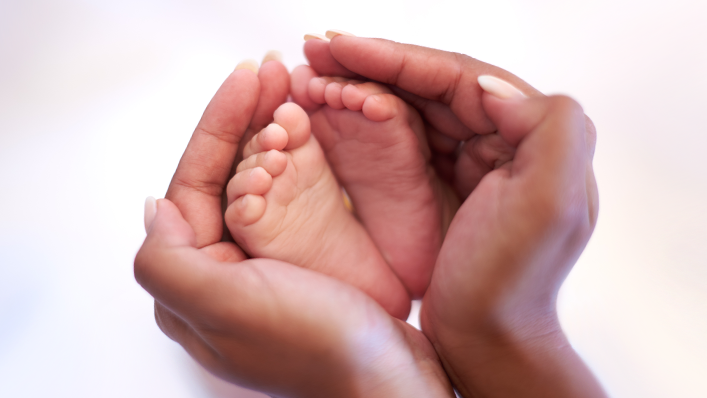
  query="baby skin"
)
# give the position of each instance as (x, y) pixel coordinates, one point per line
(286, 204)
(376, 145)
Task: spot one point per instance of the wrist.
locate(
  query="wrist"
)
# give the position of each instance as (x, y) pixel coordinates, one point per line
(400, 362)
(500, 356)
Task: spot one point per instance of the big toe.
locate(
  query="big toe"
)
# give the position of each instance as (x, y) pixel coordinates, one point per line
(295, 121)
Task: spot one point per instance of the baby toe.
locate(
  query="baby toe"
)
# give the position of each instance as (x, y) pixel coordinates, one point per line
(381, 107)
(245, 211)
(295, 121)
(271, 137)
(273, 161)
(255, 181)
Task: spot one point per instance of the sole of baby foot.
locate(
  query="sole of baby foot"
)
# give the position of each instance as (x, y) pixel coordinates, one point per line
(286, 204)
(376, 144)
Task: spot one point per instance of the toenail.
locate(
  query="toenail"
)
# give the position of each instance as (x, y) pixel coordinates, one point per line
(376, 98)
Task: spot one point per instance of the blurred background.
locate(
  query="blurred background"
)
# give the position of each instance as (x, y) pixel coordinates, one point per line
(98, 100)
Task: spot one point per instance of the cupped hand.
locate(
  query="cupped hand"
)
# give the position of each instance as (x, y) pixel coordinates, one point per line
(277, 328)
(259, 323)
(524, 171)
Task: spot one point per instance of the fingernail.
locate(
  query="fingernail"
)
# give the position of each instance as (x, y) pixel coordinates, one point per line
(335, 32)
(272, 55)
(310, 36)
(150, 211)
(499, 88)
(249, 64)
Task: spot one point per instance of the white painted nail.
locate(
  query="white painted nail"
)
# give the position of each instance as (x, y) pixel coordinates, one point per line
(272, 55)
(336, 32)
(150, 211)
(317, 36)
(499, 88)
(249, 64)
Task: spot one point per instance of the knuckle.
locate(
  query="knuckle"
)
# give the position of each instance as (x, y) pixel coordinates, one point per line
(224, 136)
(141, 266)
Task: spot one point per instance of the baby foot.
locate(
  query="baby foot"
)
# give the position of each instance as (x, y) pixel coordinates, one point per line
(285, 204)
(376, 144)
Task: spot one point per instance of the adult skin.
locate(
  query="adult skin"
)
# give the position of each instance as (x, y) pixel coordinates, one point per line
(265, 324)
(530, 205)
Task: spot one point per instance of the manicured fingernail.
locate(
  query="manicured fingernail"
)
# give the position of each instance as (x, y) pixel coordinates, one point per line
(249, 64)
(272, 55)
(317, 36)
(335, 32)
(150, 211)
(499, 88)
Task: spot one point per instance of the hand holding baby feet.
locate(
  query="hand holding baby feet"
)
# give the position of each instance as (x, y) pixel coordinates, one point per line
(285, 204)
(376, 145)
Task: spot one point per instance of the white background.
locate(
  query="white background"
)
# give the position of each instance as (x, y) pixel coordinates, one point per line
(98, 101)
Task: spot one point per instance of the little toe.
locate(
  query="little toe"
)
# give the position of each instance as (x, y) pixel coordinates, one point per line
(271, 137)
(295, 121)
(300, 80)
(273, 161)
(255, 181)
(245, 210)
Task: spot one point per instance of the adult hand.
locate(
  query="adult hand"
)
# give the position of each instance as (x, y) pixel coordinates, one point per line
(259, 323)
(531, 205)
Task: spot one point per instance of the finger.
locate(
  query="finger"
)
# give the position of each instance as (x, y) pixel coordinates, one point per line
(274, 162)
(442, 76)
(479, 156)
(272, 55)
(299, 87)
(271, 137)
(274, 89)
(321, 60)
(206, 164)
(180, 277)
(551, 155)
(437, 115)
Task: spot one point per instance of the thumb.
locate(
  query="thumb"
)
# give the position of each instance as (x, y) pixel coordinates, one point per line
(554, 147)
(550, 133)
(169, 265)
